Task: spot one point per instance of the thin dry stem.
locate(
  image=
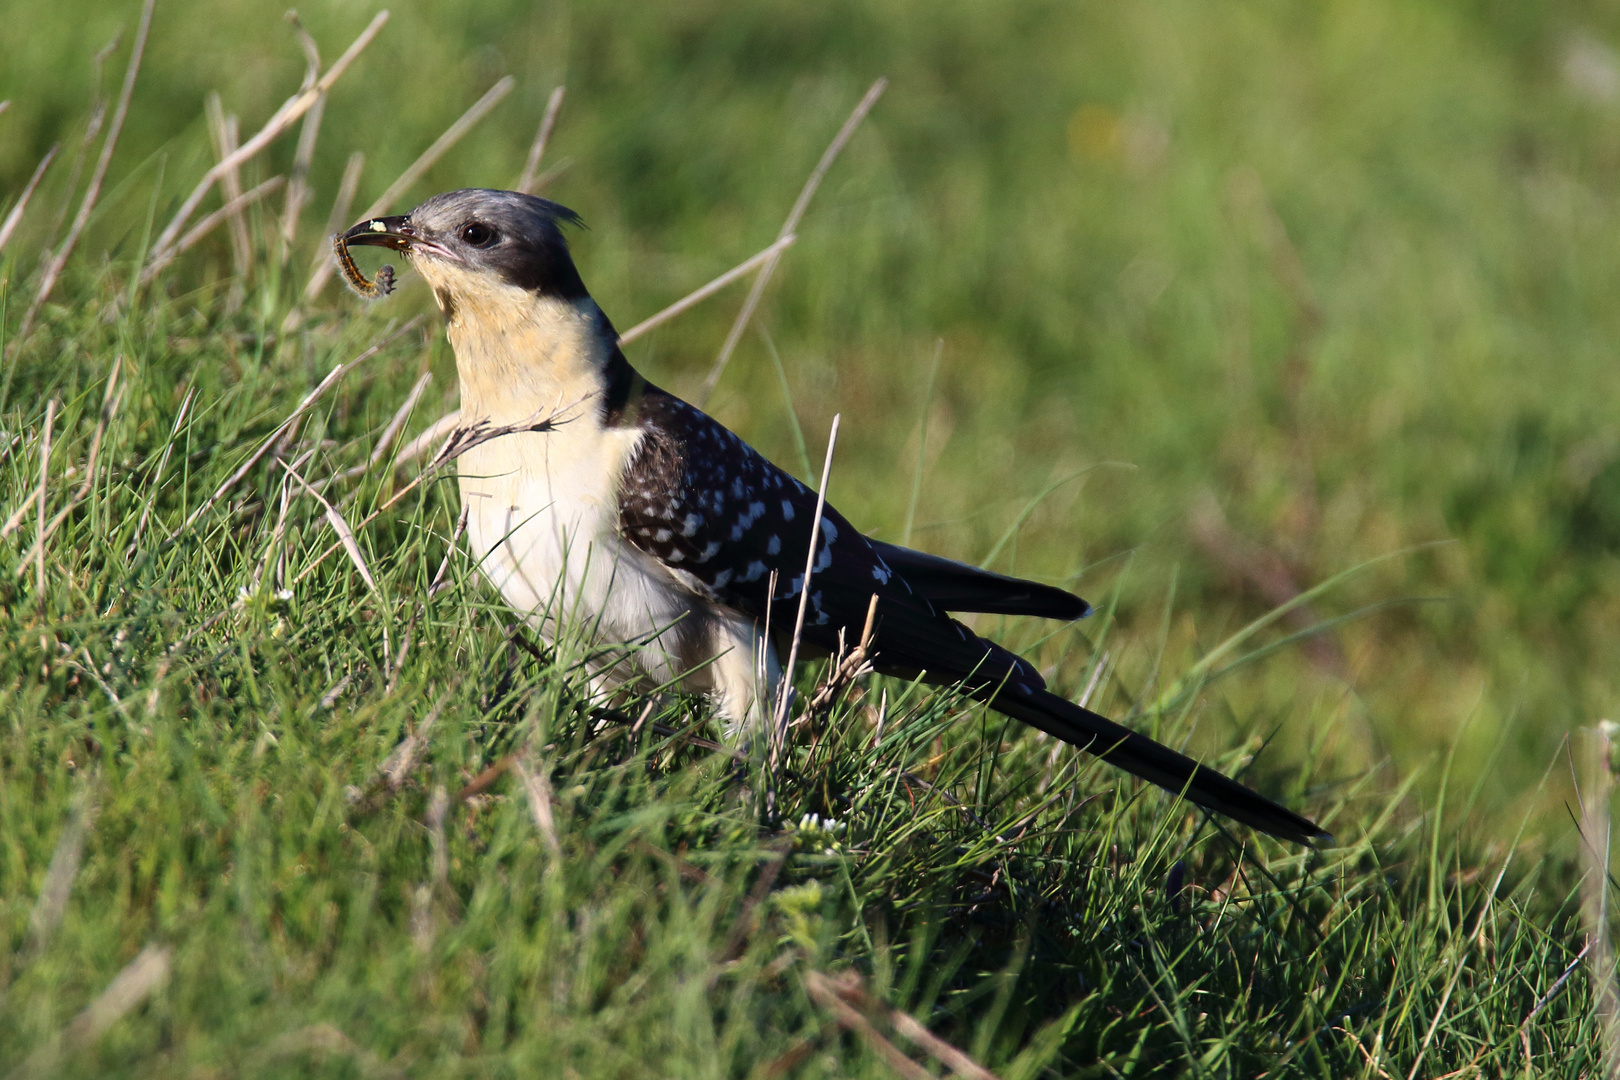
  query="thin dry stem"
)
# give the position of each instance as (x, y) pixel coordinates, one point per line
(340, 526)
(231, 211)
(1596, 789)
(391, 432)
(784, 695)
(133, 985)
(822, 990)
(697, 296)
(440, 428)
(399, 764)
(789, 226)
(14, 218)
(223, 131)
(537, 788)
(451, 136)
(439, 584)
(65, 860)
(298, 186)
(53, 269)
(438, 808)
(39, 499)
(345, 195)
(850, 989)
(526, 182)
(283, 118)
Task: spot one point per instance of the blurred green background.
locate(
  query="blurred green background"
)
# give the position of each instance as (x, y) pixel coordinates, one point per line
(1288, 286)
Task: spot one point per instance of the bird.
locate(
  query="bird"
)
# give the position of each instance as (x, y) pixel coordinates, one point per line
(632, 513)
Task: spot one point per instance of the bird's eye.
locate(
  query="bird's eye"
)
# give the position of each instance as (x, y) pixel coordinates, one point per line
(478, 235)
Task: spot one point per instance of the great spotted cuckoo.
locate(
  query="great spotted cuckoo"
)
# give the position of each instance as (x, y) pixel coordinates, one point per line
(638, 516)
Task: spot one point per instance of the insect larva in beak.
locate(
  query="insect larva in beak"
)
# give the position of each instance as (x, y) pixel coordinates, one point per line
(371, 290)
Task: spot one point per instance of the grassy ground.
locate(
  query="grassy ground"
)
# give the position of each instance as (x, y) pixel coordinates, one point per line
(1190, 311)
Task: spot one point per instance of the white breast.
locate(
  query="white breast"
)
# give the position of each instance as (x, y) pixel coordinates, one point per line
(542, 523)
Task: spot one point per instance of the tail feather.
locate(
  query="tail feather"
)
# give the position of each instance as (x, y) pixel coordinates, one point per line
(952, 586)
(1157, 764)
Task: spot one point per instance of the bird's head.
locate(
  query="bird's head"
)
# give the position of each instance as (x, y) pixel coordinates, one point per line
(483, 251)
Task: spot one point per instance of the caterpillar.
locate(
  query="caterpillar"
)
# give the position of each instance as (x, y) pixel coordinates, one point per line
(371, 290)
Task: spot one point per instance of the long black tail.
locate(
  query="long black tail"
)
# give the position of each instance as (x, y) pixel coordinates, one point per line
(1141, 756)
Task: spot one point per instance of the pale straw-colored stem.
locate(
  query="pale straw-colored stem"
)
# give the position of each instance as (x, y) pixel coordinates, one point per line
(9, 226)
(527, 182)
(789, 226)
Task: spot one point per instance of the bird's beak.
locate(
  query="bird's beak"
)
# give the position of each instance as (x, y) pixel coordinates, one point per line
(395, 232)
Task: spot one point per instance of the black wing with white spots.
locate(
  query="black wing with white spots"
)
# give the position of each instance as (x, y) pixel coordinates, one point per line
(722, 518)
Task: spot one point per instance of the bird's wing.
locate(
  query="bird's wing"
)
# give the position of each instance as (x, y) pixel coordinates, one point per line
(954, 586)
(722, 519)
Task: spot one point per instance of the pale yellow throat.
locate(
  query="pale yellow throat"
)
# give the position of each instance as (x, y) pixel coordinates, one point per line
(518, 355)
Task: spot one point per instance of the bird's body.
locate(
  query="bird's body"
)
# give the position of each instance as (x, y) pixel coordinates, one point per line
(635, 518)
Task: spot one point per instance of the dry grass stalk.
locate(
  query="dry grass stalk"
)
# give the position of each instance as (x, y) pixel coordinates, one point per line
(1545, 999)
(784, 694)
(341, 527)
(850, 666)
(846, 990)
(411, 175)
(13, 218)
(526, 182)
(298, 186)
(321, 1039)
(18, 514)
(440, 428)
(439, 584)
(59, 259)
(1267, 573)
(92, 127)
(391, 432)
(156, 483)
(438, 809)
(821, 989)
(231, 211)
(398, 765)
(222, 131)
(1597, 787)
(304, 406)
(39, 498)
(283, 118)
(53, 894)
(699, 295)
(140, 977)
(111, 398)
(350, 183)
(789, 227)
(537, 788)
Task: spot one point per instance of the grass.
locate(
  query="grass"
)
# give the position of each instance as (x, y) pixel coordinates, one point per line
(1333, 283)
